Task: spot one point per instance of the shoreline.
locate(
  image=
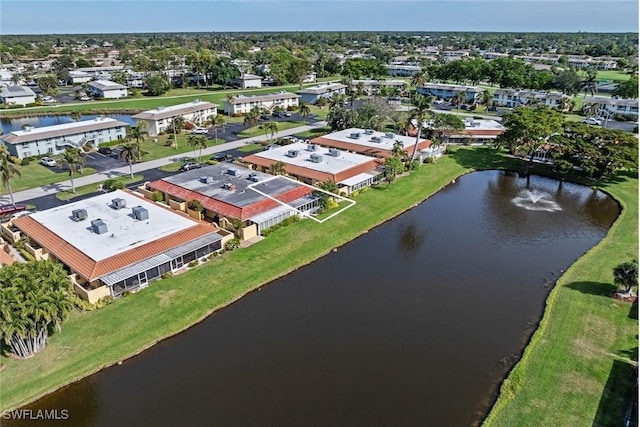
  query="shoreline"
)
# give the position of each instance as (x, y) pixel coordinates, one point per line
(427, 170)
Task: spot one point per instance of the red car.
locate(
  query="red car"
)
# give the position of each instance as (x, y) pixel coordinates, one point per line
(11, 209)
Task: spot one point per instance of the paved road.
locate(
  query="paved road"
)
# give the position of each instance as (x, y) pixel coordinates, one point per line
(143, 167)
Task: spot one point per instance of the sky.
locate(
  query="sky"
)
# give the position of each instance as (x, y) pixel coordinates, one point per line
(115, 16)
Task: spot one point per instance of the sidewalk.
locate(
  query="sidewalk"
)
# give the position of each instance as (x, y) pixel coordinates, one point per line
(79, 181)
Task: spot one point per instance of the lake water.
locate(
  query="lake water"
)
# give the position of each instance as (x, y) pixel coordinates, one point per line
(413, 324)
(11, 124)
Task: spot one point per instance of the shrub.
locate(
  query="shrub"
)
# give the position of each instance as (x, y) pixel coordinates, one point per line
(15, 160)
(291, 220)
(429, 160)
(332, 204)
(212, 162)
(167, 275)
(232, 244)
(25, 162)
(195, 205)
(364, 189)
(113, 184)
(354, 193)
(193, 263)
(158, 196)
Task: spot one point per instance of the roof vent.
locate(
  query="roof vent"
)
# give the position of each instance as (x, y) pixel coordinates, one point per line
(315, 158)
(293, 153)
(99, 226)
(354, 135)
(229, 186)
(334, 152)
(160, 107)
(368, 132)
(79, 214)
(390, 135)
(312, 147)
(206, 179)
(118, 203)
(233, 172)
(376, 139)
(140, 213)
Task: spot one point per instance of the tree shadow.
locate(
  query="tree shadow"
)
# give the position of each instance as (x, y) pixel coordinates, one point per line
(593, 288)
(619, 397)
(633, 311)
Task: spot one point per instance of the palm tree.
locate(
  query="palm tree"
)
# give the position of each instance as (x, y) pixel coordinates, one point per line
(270, 128)
(76, 115)
(130, 152)
(392, 167)
(485, 98)
(251, 119)
(419, 79)
(592, 109)
(419, 112)
(197, 141)
(139, 132)
(7, 171)
(304, 111)
(72, 157)
(278, 168)
(626, 274)
(230, 99)
(459, 98)
(214, 122)
(588, 84)
(336, 100)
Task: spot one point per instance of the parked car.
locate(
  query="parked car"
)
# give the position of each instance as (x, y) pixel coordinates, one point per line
(85, 98)
(190, 165)
(21, 213)
(287, 114)
(438, 101)
(104, 150)
(48, 100)
(464, 107)
(492, 108)
(265, 117)
(48, 161)
(199, 131)
(592, 121)
(220, 157)
(11, 209)
(278, 114)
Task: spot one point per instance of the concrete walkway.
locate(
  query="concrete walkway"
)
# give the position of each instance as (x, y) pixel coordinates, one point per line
(96, 178)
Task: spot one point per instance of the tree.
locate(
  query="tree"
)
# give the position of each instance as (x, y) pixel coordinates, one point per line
(340, 118)
(588, 84)
(197, 141)
(215, 122)
(567, 81)
(420, 79)
(230, 100)
(7, 171)
(399, 152)
(72, 158)
(251, 119)
(392, 167)
(278, 168)
(76, 115)
(130, 152)
(139, 132)
(304, 110)
(459, 98)
(157, 84)
(418, 114)
(486, 98)
(327, 186)
(628, 89)
(528, 129)
(48, 84)
(626, 275)
(444, 125)
(270, 128)
(34, 296)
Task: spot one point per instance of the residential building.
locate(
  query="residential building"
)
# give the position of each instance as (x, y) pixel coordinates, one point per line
(117, 242)
(78, 77)
(107, 89)
(227, 195)
(311, 95)
(447, 91)
(403, 70)
(242, 104)
(160, 118)
(454, 55)
(246, 81)
(313, 164)
(513, 98)
(57, 138)
(614, 106)
(369, 142)
(17, 95)
(477, 131)
(372, 87)
(310, 78)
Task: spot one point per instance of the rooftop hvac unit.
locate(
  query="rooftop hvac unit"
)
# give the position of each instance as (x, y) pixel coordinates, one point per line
(79, 214)
(98, 226)
(229, 186)
(315, 158)
(368, 132)
(293, 153)
(334, 152)
(232, 172)
(390, 135)
(118, 203)
(254, 177)
(140, 213)
(312, 147)
(376, 139)
(354, 135)
(206, 179)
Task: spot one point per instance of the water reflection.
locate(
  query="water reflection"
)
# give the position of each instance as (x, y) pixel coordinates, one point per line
(11, 124)
(410, 239)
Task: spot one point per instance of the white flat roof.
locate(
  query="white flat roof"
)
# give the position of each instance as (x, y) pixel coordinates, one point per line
(481, 124)
(366, 139)
(357, 179)
(329, 164)
(124, 232)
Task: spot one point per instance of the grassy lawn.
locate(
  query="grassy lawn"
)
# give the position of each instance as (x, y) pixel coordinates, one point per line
(37, 175)
(257, 130)
(565, 368)
(612, 75)
(250, 148)
(93, 188)
(164, 147)
(313, 133)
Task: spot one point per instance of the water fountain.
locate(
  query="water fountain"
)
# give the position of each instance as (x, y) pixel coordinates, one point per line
(535, 200)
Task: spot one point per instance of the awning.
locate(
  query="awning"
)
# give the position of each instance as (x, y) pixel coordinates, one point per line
(357, 179)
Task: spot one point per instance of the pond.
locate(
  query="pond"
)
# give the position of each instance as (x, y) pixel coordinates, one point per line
(414, 323)
(14, 123)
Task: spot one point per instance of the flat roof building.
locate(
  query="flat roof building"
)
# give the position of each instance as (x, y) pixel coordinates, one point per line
(118, 241)
(247, 80)
(226, 194)
(477, 131)
(160, 118)
(311, 95)
(57, 138)
(17, 95)
(314, 164)
(107, 89)
(369, 142)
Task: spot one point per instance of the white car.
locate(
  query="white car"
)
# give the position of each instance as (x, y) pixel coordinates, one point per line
(438, 101)
(592, 121)
(199, 131)
(85, 98)
(48, 100)
(48, 161)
